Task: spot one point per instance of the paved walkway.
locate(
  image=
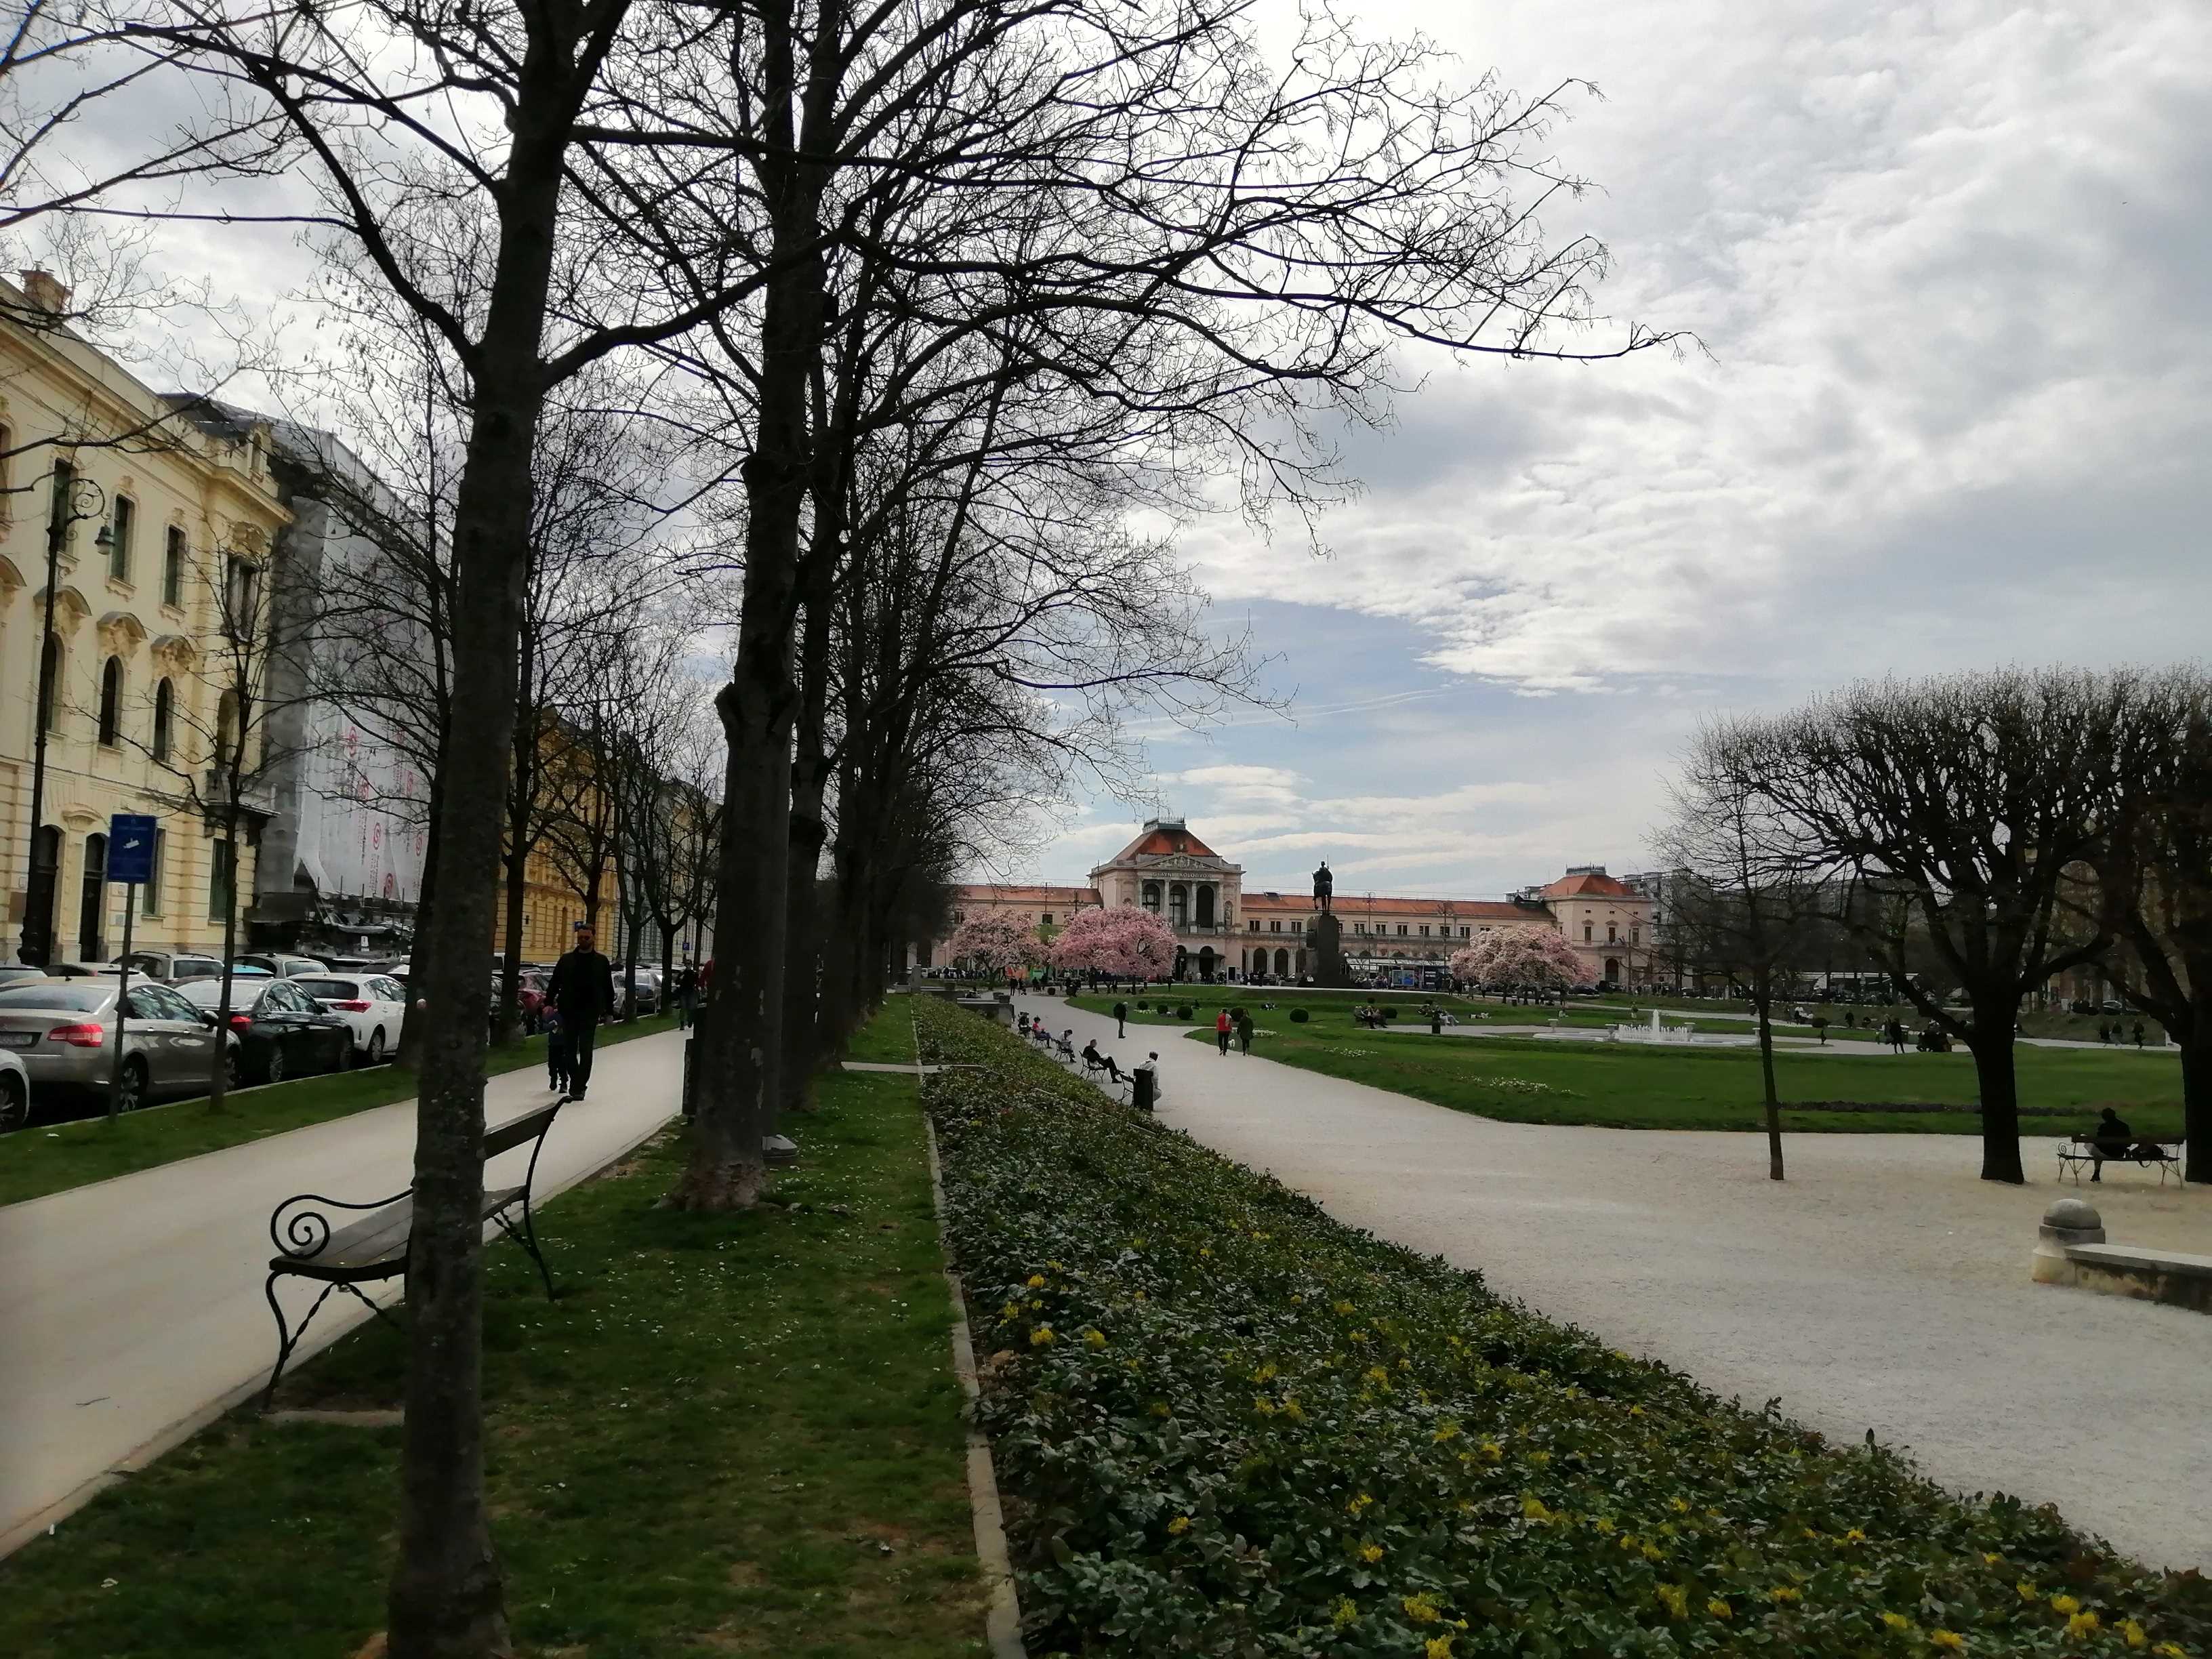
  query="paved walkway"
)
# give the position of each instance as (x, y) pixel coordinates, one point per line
(1881, 1286)
(132, 1310)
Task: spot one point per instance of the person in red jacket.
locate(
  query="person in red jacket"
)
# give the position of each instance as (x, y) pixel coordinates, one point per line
(1221, 1030)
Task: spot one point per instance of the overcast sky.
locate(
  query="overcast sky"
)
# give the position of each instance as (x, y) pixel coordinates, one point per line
(1948, 262)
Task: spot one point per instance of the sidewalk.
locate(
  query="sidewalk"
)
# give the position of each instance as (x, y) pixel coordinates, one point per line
(1881, 1286)
(131, 1311)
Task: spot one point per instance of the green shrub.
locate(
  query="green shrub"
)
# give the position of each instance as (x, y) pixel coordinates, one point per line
(1183, 1011)
(1389, 1012)
(1231, 1425)
(1299, 1016)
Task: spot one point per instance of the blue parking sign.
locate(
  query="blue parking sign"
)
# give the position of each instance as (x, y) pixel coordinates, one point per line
(130, 846)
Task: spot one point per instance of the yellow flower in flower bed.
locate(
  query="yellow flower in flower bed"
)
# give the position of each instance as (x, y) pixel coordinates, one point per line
(2134, 1634)
(1992, 1560)
(1533, 1509)
(1179, 1526)
(1041, 1336)
(1438, 1647)
(2064, 1604)
(1037, 1281)
(2027, 1591)
(1263, 1405)
(1420, 1609)
(1949, 1640)
(1294, 1411)
(2082, 1624)
(1675, 1598)
(1897, 1621)
(1010, 1310)
(1344, 1613)
(1786, 1593)
(1357, 1505)
(1448, 1431)
(1370, 1554)
(1094, 1338)
(1855, 1537)
(1718, 1609)
(1342, 1309)
(1491, 1451)
(2169, 1651)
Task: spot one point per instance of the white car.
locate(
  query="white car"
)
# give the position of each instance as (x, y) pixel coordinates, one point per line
(374, 1004)
(15, 1091)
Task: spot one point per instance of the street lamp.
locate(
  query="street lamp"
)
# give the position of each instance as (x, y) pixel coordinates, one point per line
(75, 499)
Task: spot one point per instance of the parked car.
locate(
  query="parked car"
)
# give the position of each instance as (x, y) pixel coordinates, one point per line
(63, 1032)
(15, 1091)
(282, 966)
(281, 1031)
(372, 1005)
(16, 973)
(172, 967)
(648, 989)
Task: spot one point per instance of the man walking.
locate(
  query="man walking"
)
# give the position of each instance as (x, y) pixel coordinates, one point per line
(583, 989)
(1221, 1030)
(1120, 1019)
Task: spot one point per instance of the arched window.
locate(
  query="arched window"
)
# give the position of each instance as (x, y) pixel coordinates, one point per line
(226, 730)
(165, 718)
(50, 682)
(123, 522)
(111, 700)
(173, 568)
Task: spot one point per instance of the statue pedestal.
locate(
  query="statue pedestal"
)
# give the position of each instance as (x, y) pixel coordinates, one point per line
(1329, 971)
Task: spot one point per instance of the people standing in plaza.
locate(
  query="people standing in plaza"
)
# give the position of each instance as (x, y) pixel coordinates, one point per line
(1120, 1019)
(583, 989)
(687, 996)
(2139, 1033)
(1221, 1030)
(1244, 1030)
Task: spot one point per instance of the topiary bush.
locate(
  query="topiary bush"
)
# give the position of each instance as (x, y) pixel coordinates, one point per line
(1232, 1426)
(1389, 1012)
(1182, 1012)
(1299, 1016)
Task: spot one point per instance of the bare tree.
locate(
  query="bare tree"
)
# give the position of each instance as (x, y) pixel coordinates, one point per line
(2152, 892)
(1966, 800)
(1746, 893)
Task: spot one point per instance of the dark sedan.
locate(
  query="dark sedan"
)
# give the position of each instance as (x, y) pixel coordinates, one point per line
(281, 1031)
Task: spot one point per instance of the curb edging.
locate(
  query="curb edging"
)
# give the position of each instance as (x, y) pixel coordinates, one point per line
(1002, 1617)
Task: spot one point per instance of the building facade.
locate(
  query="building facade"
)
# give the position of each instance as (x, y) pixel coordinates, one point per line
(161, 526)
(1224, 931)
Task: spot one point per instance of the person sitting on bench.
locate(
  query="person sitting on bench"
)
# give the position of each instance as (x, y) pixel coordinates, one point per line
(1095, 1061)
(1067, 1043)
(2112, 1138)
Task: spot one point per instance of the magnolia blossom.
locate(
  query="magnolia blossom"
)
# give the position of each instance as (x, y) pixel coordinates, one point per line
(1124, 942)
(1519, 956)
(995, 942)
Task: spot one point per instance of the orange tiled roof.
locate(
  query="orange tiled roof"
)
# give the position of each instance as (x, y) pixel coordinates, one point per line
(999, 893)
(1162, 838)
(1348, 905)
(1588, 886)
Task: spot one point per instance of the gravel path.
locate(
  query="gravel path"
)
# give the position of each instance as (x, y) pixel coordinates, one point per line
(1881, 1286)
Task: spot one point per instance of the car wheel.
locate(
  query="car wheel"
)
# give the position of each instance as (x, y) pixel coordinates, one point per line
(133, 1095)
(376, 1047)
(232, 1075)
(15, 1103)
(272, 1069)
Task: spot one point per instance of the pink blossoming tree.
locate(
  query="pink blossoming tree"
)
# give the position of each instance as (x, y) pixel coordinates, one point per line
(1124, 942)
(992, 942)
(1539, 959)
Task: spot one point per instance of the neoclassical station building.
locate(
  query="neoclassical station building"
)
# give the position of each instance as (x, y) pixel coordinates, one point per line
(1223, 929)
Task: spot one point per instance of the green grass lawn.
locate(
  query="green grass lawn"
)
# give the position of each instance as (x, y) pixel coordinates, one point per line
(730, 1435)
(52, 1158)
(1535, 1081)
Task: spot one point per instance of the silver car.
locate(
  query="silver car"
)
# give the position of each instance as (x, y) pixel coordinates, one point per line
(63, 1032)
(15, 1091)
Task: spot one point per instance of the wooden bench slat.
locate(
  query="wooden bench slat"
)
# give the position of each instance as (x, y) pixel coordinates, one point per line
(377, 1242)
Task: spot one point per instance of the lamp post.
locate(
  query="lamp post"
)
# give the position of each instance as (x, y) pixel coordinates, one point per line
(70, 493)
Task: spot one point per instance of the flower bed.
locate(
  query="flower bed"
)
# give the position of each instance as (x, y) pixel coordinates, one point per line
(1228, 1426)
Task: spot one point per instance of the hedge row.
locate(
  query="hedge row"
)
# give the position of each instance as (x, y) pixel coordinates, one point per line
(1229, 1425)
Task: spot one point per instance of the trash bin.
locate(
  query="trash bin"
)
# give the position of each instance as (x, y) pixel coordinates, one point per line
(1437, 1024)
(1141, 1088)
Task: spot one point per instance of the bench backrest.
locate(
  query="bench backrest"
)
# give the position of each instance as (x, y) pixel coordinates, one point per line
(530, 1126)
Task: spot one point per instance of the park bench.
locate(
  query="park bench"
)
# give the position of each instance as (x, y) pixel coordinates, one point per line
(374, 1247)
(2083, 1152)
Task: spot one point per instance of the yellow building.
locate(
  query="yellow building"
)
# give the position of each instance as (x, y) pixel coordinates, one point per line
(161, 527)
(578, 826)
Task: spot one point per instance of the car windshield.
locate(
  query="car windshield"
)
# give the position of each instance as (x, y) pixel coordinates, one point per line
(339, 989)
(53, 994)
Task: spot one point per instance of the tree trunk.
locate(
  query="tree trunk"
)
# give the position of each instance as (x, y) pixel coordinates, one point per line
(219, 1067)
(2196, 1088)
(447, 1598)
(1994, 1071)
(1767, 1079)
(737, 1078)
(516, 893)
(409, 1054)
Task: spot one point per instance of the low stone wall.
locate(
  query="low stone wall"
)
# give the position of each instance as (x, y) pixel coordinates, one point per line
(2071, 1251)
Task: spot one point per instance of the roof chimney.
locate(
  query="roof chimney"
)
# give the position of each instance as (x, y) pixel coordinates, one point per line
(44, 292)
